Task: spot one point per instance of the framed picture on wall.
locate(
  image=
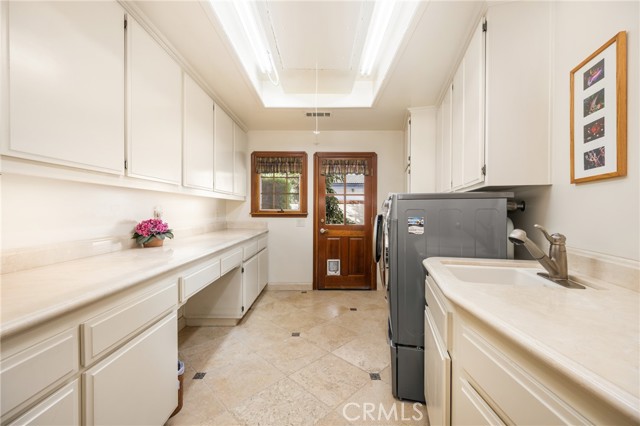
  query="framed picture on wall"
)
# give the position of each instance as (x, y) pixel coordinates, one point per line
(598, 113)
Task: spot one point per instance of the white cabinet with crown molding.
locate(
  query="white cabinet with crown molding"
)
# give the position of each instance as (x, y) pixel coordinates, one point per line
(500, 103)
(240, 169)
(223, 157)
(197, 165)
(154, 129)
(420, 145)
(66, 84)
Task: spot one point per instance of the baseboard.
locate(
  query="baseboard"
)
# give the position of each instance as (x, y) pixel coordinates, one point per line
(290, 286)
(209, 322)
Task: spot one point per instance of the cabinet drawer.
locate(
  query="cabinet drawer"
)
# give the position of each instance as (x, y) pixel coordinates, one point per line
(230, 260)
(522, 398)
(471, 409)
(198, 278)
(440, 311)
(103, 332)
(249, 249)
(262, 242)
(35, 369)
(60, 409)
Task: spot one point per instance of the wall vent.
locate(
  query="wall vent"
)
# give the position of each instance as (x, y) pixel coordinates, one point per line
(318, 114)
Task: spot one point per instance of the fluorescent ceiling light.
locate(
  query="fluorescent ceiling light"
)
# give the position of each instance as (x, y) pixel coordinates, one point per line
(244, 13)
(382, 12)
(244, 22)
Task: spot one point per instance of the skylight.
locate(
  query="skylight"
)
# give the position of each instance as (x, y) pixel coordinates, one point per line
(263, 33)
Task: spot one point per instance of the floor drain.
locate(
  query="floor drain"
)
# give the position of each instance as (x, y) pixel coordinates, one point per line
(199, 376)
(303, 292)
(295, 334)
(374, 376)
(353, 309)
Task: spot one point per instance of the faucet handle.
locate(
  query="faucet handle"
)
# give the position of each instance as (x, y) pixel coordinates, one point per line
(553, 238)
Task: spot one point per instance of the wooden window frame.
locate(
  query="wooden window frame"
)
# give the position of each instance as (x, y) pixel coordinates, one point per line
(255, 185)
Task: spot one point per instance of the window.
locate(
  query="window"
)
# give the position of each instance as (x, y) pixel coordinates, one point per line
(278, 184)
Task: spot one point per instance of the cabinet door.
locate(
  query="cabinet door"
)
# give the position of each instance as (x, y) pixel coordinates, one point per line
(240, 161)
(263, 269)
(66, 83)
(437, 374)
(155, 109)
(60, 409)
(444, 163)
(198, 137)
(223, 151)
(474, 84)
(457, 128)
(250, 285)
(136, 385)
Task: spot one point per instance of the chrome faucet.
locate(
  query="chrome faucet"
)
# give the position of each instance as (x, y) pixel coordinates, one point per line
(556, 262)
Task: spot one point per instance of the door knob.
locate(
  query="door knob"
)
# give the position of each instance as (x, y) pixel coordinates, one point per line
(323, 231)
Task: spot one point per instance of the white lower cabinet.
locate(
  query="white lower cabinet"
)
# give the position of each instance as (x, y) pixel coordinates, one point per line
(437, 373)
(136, 385)
(263, 269)
(471, 409)
(39, 368)
(225, 301)
(484, 378)
(250, 284)
(512, 391)
(60, 409)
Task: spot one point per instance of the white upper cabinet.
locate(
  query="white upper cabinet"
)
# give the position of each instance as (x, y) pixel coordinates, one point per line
(443, 144)
(198, 137)
(457, 127)
(467, 157)
(66, 79)
(500, 102)
(223, 151)
(154, 90)
(518, 94)
(240, 161)
(473, 81)
(421, 143)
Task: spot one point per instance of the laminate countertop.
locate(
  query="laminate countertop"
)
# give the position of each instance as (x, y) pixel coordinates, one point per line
(34, 296)
(592, 336)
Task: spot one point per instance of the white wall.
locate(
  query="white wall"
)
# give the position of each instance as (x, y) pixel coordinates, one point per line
(291, 239)
(38, 211)
(602, 216)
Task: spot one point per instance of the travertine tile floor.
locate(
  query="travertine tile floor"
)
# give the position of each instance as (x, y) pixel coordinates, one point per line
(257, 373)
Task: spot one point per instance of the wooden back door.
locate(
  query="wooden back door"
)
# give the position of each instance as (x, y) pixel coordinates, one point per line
(344, 209)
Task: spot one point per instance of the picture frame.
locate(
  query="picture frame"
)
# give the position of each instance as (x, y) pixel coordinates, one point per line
(598, 113)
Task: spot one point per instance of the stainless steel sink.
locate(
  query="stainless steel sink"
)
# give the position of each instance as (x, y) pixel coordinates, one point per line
(507, 276)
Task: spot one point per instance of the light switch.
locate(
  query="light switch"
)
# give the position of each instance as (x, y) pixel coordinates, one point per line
(300, 223)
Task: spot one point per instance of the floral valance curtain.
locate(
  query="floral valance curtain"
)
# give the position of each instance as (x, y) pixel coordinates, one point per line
(343, 166)
(278, 165)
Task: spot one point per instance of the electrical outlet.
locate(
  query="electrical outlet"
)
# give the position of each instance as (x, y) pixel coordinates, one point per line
(157, 212)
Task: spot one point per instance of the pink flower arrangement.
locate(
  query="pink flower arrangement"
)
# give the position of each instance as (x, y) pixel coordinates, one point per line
(148, 229)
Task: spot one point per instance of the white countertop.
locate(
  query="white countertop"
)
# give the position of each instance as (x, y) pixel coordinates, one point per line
(592, 336)
(34, 296)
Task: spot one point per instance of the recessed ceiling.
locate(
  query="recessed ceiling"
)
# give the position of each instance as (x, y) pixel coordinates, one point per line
(327, 32)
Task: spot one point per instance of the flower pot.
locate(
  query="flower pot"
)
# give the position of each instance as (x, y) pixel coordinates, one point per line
(154, 242)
